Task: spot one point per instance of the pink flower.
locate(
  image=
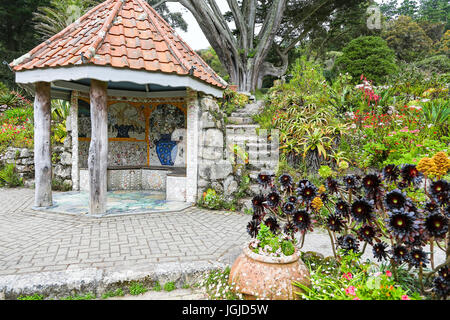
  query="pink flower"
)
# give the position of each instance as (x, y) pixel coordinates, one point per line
(405, 297)
(350, 290)
(388, 273)
(347, 276)
(356, 298)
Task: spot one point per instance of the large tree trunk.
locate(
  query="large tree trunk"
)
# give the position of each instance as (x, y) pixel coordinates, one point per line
(242, 55)
(42, 145)
(98, 149)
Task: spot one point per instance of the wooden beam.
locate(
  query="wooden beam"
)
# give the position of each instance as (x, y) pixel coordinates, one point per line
(42, 145)
(98, 149)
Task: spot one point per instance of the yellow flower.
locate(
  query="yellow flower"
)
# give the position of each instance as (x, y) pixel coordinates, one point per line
(442, 163)
(317, 203)
(322, 189)
(427, 166)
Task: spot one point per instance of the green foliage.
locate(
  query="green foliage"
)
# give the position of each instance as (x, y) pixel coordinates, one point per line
(352, 279)
(438, 64)
(88, 296)
(211, 200)
(117, 293)
(169, 286)
(437, 113)
(287, 247)
(50, 20)
(137, 288)
(58, 185)
(157, 287)
(407, 39)
(369, 56)
(31, 297)
(9, 176)
(211, 58)
(325, 172)
(233, 101)
(271, 243)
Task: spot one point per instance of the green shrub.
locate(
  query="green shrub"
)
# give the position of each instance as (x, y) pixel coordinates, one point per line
(9, 176)
(438, 63)
(368, 55)
(407, 39)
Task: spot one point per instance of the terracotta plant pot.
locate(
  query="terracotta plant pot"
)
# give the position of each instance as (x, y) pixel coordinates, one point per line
(258, 276)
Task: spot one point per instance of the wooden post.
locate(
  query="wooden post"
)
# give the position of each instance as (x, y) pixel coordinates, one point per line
(98, 149)
(74, 133)
(42, 146)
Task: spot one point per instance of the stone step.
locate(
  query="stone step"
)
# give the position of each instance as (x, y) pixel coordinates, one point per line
(240, 120)
(241, 114)
(242, 126)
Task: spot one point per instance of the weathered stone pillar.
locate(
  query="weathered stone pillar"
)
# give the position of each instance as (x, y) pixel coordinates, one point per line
(74, 132)
(98, 149)
(192, 144)
(42, 145)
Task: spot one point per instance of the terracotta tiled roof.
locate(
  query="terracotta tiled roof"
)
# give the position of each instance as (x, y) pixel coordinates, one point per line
(122, 34)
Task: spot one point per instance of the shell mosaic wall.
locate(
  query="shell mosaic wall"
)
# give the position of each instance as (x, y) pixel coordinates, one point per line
(139, 133)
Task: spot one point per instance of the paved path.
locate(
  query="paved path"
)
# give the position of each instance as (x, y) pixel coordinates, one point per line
(32, 241)
(40, 246)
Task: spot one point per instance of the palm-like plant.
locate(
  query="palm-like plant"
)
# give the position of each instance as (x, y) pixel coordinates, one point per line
(437, 112)
(316, 143)
(61, 13)
(60, 112)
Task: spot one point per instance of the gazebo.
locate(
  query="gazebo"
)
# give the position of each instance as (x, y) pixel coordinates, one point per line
(133, 84)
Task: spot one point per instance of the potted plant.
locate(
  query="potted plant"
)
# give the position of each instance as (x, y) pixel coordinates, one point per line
(271, 262)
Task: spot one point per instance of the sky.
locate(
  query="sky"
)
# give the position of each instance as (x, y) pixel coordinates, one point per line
(194, 36)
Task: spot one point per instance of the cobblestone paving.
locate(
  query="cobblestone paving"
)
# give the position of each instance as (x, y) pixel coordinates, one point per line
(32, 241)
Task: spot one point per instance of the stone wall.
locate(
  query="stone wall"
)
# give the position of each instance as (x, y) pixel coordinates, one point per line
(23, 158)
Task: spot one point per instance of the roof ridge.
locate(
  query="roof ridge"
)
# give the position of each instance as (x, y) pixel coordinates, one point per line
(100, 36)
(187, 47)
(184, 64)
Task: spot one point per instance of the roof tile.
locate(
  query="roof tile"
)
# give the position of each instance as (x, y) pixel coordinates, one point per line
(129, 34)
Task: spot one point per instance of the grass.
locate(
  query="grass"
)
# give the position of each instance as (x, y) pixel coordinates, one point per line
(137, 289)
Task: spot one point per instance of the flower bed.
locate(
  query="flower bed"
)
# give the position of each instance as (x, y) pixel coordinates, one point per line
(399, 212)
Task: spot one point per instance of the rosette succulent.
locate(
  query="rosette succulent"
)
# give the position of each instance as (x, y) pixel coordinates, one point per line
(391, 172)
(395, 200)
(307, 191)
(361, 211)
